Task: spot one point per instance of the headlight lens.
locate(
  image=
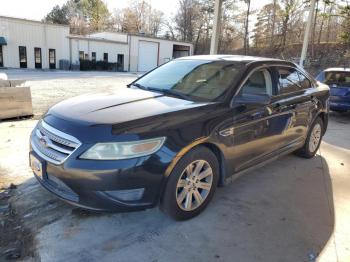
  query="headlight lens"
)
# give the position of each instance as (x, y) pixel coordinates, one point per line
(123, 150)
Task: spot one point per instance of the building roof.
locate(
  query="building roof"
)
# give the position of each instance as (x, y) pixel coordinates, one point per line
(32, 21)
(98, 39)
(144, 36)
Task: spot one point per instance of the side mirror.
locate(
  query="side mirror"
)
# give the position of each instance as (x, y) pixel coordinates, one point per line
(257, 99)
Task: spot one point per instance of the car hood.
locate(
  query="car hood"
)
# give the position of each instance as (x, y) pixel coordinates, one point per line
(119, 106)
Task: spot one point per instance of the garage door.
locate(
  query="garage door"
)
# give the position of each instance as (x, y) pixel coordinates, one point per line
(148, 56)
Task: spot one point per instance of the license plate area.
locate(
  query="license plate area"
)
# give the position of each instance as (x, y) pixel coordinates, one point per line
(37, 166)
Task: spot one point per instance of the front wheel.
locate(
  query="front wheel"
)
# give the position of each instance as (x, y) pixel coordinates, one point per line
(191, 184)
(313, 140)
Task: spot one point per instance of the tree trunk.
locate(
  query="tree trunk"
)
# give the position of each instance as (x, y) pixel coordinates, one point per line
(321, 26)
(246, 33)
(273, 24)
(313, 32)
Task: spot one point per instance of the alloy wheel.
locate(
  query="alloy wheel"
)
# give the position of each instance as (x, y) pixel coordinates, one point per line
(194, 185)
(315, 137)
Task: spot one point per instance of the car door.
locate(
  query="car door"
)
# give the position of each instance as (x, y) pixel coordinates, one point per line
(295, 98)
(257, 126)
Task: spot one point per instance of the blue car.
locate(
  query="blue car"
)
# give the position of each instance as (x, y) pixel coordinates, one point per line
(338, 80)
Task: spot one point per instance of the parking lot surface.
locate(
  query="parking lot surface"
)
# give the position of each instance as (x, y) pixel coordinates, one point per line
(293, 209)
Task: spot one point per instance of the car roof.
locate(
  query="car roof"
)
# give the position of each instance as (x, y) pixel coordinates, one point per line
(237, 58)
(338, 69)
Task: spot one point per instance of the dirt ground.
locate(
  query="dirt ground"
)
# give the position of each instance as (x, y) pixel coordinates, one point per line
(290, 210)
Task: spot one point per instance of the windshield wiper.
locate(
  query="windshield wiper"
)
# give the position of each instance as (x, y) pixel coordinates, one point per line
(139, 86)
(171, 92)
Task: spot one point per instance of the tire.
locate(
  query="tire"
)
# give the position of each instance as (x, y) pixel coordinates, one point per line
(311, 145)
(186, 182)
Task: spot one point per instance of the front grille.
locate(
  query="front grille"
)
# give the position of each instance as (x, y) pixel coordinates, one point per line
(51, 144)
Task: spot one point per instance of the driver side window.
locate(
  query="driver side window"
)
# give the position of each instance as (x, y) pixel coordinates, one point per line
(258, 83)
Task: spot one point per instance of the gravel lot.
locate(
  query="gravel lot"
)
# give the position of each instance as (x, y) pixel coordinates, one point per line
(49, 88)
(290, 210)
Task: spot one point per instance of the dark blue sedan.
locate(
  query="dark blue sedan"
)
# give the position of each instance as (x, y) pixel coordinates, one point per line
(338, 80)
(178, 132)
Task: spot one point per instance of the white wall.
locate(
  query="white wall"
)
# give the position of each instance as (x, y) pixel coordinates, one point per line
(120, 37)
(89, 46)
(165, 50)
(30, 34)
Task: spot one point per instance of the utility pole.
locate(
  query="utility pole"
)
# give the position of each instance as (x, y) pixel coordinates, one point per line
(214, 43)
(307, 33)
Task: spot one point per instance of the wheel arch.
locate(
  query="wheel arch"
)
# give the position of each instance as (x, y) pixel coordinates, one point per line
(199, 143)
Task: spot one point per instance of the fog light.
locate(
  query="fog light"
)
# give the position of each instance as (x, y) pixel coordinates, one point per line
(126, 195)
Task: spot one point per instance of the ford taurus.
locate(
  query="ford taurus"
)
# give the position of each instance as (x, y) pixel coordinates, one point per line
(178, 132)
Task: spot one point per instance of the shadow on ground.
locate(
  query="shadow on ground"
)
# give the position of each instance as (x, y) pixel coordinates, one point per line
(281, 212)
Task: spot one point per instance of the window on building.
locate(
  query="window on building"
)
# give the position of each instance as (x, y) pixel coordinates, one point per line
(1, 57)
(22, 56)
(105, 57)
(120, 62)
(52, 58)
(81, 55)
(86, 56)
(37, 57)
(93, 56)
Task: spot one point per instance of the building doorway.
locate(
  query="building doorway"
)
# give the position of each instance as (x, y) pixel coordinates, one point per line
(52, 58)
(180, 51)
(37, 57)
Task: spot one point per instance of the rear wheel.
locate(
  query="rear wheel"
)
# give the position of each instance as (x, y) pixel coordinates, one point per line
(191, 184)
(313, 140)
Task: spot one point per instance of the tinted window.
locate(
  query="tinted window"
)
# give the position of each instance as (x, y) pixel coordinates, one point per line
(105, 57)
(288, 80)
(203, 79)
(258, 83)
(337, 78)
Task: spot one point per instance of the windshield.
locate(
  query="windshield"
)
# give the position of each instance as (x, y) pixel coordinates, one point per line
(337, 78)
(201, 79)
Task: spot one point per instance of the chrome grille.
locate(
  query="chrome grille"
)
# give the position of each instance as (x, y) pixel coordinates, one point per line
(51, 144)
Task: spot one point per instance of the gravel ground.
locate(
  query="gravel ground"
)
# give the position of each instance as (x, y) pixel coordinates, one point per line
(56, 86)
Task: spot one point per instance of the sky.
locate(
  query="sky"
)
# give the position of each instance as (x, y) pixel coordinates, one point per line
(37, 9)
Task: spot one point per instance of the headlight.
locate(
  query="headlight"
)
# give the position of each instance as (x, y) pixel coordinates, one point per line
(123, 150)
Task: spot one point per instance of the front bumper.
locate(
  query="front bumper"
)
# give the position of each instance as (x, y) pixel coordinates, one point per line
(121, 185)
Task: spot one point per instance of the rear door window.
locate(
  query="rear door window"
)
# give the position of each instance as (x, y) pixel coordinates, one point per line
(258, 83)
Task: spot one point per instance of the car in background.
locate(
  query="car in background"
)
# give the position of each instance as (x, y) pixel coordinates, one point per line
(177, 133)
(338, 79)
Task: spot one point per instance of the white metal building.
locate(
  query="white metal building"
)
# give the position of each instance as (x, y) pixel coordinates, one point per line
(33, 44)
